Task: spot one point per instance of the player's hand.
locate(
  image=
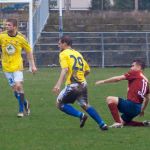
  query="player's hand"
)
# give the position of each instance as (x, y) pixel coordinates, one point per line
(99, 82)
(141, 113)
(56, 90)
(34, 70)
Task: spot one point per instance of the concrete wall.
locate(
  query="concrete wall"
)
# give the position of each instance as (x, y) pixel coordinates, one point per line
(80, 4)
(72, 4)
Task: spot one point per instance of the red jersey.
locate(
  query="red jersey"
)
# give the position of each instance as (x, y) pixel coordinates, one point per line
(138, 86)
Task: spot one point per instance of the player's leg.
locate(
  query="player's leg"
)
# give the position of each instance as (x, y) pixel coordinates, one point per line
(113, 107)
(15, 80)
(134, 123)
(20, 97)
(19, 91)
(83, 102)
(95, 115)
(64, 100)
(129, 112)
(10, 78)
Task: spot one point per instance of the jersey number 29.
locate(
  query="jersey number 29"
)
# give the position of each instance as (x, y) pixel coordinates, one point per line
(78, 63)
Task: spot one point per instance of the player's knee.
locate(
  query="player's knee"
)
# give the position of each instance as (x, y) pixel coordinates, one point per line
(59, 105)
(85, 106)
(18, 88)
(108, 99)
(111, 99)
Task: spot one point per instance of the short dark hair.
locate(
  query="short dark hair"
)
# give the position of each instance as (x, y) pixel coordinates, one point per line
(66, 39)
(13, 21)
(140, 63)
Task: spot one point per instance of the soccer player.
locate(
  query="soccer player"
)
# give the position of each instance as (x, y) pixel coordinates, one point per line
(12, 42)
(74, 69)
(138, 96)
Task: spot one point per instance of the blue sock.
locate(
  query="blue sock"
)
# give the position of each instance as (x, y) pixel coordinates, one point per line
(93, 113)
(23, 99)
(25, 102)
(20, 101)
(68, 109)
(16, 95)
(20, 97)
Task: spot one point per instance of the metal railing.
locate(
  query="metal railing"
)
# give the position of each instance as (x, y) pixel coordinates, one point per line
(100, 48)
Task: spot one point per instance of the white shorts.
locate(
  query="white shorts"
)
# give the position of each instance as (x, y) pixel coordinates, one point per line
(14, 77)
(74, 92)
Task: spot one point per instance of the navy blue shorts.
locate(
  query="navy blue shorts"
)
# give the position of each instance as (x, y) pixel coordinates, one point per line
(128, 109)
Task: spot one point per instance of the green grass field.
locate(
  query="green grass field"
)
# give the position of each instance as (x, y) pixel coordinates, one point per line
(49, 129)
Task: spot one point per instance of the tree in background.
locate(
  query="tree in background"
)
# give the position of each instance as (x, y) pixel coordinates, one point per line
(101, 4)
(96, 4)
(52, 4)
(126, 5)
(144, 4)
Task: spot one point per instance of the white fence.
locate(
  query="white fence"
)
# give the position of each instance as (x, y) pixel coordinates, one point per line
(40, 17)
(71, 4)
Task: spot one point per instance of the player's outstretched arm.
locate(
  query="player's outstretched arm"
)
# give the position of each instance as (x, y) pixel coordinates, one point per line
(111, 80)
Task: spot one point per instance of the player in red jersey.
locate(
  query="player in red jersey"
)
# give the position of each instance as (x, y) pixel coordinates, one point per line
(138, 96)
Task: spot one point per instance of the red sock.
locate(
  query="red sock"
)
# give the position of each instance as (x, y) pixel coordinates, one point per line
(114, 111)
(134, 123)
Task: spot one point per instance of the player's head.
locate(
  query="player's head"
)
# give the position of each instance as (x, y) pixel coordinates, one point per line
(65, 42)
(137, 64)
(11, 25)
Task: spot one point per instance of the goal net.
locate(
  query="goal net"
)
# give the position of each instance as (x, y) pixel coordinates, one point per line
(20, 10)
(31, 15)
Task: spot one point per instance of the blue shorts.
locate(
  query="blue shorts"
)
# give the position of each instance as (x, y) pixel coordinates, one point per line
(128, 109)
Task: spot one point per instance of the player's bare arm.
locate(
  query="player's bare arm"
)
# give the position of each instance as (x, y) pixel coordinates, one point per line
(144, 104)
(61, 79)
(32, 63)
(111, 80)
(86, 73)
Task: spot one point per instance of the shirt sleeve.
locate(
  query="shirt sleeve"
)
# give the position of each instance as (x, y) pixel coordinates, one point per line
(130, 75)
(63, 60)
(0, 39)
(87, 67)
(26, 46)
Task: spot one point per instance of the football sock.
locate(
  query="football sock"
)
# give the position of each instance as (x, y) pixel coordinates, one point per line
(134, 123)
(93, 113)
(68, 109)
(22, 97)
(16, 94)
(114, 111)
(20, 101)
